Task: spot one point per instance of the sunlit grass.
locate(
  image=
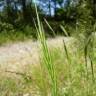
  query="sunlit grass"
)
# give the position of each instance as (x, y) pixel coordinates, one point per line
(62, 71)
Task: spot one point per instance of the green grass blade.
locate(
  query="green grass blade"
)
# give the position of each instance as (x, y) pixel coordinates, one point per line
(50, 27)
(64, 30)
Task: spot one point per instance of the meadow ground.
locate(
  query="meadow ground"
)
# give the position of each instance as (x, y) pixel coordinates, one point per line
(24, 72)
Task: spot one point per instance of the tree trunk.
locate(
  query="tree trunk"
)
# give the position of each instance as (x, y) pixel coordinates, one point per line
(94, 8)
(50, 7)
(24, 8)
(55, 8)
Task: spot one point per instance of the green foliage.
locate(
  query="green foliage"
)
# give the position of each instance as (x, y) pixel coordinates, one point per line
(9, 35)
(21, 13)
(47, 57)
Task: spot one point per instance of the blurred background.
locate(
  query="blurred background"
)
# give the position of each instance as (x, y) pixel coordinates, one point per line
(17, 17)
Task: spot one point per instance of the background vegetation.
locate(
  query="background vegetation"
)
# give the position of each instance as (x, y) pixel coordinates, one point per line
(18, 17)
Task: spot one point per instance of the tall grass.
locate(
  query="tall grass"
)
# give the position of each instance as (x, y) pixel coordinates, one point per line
(89, 54)
(47, 57)
(60, 73)
(52, 77)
